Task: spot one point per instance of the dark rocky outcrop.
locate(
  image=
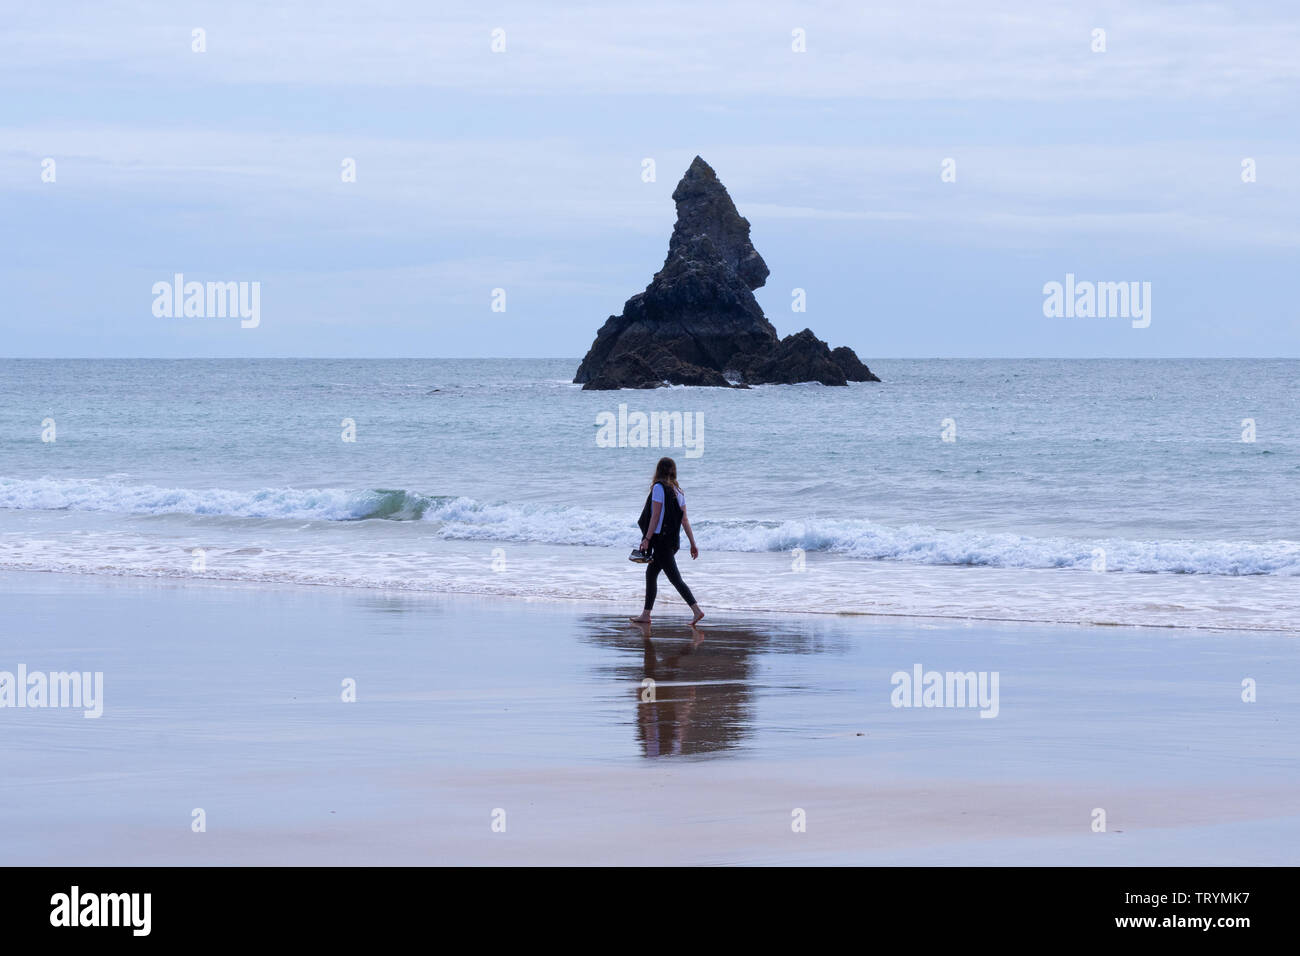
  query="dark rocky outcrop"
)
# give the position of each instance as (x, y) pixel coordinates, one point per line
(853, 368)
(698, 323)
(651, 367)
(801, 357)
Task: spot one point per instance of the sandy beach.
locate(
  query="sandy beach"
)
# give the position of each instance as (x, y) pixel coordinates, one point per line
(508, 731)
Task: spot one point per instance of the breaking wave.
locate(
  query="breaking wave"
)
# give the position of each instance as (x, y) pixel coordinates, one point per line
(461, 518)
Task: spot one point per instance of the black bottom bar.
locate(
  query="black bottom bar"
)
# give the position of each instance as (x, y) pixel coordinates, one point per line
(331, 906)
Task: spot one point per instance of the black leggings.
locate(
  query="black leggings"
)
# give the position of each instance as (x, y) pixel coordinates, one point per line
(665, 561)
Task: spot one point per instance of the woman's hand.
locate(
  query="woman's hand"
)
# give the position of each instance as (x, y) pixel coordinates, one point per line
(686, 526)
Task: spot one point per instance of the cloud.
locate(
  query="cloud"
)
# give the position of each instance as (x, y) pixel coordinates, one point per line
(523, 169)
(907, 50)
(287, 183)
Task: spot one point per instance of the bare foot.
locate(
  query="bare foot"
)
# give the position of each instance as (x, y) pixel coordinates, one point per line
(643, 618)
(698, 614)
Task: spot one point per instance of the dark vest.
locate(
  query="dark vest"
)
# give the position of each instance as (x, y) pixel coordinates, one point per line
(670, 538)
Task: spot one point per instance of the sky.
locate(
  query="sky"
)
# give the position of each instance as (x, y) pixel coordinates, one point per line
(128, 156)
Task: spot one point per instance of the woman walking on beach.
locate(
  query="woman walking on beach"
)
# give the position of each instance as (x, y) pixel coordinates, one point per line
(662, 519)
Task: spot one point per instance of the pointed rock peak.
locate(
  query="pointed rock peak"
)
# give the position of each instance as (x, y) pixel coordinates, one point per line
(710, 226)
(699, 168)
(700, 180)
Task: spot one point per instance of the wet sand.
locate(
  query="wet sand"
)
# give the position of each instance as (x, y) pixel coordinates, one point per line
(471, 713)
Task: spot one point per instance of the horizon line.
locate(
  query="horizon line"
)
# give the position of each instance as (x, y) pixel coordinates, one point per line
(578, 359)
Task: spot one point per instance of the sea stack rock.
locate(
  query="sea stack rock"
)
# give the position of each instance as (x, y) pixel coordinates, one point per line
(698, 323)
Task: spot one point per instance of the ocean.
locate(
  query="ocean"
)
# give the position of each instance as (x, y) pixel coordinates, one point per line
(1155, 492)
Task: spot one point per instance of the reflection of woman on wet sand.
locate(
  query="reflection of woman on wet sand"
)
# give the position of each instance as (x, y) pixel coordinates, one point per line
(662, 521)
(664, 711)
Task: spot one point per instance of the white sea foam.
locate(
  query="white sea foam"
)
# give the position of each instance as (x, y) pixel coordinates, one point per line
(460, 518)
(333, 554)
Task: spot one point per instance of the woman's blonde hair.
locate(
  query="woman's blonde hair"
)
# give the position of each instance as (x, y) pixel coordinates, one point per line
(666, 474)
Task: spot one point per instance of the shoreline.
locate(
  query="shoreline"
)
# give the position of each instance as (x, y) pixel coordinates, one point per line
(180, 578)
